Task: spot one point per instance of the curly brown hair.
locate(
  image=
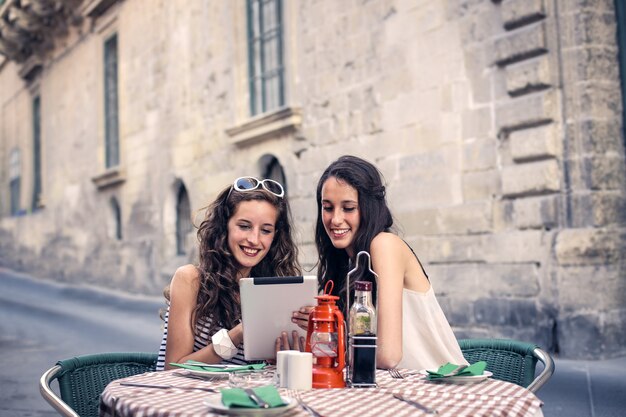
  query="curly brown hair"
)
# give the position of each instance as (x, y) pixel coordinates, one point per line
(218, 295)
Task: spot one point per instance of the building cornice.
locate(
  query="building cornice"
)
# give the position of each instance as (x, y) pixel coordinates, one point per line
(30, 28)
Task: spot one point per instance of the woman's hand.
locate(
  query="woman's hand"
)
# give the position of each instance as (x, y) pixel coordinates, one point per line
(297, 342)
(301, 317)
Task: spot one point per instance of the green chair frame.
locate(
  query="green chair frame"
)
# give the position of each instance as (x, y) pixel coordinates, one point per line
(83, 378)
(510, 360)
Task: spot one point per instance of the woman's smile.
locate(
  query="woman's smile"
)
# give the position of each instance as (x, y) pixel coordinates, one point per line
(250, 251)
(338, 233)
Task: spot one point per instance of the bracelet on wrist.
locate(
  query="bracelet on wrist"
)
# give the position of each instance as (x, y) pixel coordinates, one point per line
(222, 345)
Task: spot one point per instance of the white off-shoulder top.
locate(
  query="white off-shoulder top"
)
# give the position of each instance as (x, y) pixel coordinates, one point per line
(427, 338)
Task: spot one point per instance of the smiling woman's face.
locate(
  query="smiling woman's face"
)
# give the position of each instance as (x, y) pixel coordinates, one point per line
(340, 213)
(251, 230)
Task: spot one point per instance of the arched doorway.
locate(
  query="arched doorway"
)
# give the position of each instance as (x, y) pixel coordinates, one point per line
(183, 219)
(271, 167)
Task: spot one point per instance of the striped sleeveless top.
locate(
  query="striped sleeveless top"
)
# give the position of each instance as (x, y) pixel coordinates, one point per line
(201, 340)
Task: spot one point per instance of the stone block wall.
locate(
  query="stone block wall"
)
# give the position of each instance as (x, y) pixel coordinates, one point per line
(589, 254)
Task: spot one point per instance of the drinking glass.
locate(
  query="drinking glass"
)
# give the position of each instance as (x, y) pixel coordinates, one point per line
(252, 379)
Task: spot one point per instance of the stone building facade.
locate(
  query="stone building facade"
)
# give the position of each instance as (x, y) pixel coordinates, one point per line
(497, 124)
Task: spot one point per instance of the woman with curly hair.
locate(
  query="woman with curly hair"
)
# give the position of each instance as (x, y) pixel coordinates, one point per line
(246, 232)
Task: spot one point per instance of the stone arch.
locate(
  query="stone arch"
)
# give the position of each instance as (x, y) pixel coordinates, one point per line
(183, 220)
(270, 167)
(177, 222)
(115, 222)
(15, 175)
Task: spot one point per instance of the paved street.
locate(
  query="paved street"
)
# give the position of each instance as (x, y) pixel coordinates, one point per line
(586, 389)
(43, 322)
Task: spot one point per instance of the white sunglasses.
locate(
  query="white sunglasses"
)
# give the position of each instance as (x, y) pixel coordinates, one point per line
(243, 184)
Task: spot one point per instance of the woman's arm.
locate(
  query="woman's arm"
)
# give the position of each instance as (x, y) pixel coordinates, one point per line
(388, 261)
(180, 336)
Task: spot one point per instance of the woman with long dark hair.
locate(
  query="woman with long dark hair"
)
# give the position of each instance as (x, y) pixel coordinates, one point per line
(246, 232)
(353, 216)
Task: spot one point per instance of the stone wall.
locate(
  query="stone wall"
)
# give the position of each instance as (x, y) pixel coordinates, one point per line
(496, 124)
(590, 251)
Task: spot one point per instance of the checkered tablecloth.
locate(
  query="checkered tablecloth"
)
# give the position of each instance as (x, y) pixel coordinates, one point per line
(486, 398)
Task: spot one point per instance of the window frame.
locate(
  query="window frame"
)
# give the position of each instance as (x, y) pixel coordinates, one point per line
(259, 79)
(620, 18)
(37, 174)
(111, 102)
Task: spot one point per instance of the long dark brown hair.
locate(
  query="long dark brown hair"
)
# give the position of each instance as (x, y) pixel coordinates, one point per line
(218, 296)
(375, 217)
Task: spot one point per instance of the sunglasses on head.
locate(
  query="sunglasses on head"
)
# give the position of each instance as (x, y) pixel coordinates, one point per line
(243, 184)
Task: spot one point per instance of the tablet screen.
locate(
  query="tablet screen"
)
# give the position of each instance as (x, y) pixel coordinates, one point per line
(266, 307)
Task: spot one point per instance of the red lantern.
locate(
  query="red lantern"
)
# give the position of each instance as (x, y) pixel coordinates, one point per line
(325, 339)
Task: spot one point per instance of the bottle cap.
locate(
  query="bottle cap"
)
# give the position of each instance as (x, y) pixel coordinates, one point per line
(363, 286)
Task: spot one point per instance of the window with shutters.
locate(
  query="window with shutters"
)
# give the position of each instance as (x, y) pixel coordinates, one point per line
(111, 126)
(37, 200)
(265, 55)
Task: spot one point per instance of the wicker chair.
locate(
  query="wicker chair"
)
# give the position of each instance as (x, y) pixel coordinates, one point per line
(510, 360)
(83, 378)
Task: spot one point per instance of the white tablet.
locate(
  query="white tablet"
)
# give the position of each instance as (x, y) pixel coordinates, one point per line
(266, 307)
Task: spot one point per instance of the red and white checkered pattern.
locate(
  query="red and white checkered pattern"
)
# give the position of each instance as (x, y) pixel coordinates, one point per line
(487, 398)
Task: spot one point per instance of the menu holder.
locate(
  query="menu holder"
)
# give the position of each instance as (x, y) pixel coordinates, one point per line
(361, 349)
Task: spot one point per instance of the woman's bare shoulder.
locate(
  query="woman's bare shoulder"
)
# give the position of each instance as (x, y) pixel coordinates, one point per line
(186, 275)
(386, 241)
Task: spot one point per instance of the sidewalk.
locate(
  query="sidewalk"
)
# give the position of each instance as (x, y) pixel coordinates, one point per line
(582, 388)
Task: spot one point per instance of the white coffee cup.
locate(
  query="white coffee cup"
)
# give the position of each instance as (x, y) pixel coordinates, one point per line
(299, 370)
(281, 366)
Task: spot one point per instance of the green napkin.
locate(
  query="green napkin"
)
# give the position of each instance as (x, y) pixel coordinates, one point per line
(200, 366)
(236, 397)
(473, 370)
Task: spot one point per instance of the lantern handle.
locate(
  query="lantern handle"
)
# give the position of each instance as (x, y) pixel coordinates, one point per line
(330, 284)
